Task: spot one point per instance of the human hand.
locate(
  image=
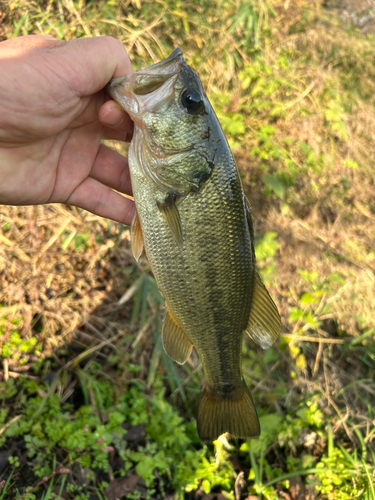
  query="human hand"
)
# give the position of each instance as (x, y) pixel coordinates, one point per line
(53, 115)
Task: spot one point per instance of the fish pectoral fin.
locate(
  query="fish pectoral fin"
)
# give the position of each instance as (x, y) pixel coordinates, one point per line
(170, 211)
(264, 323)
(235, 414)
(175, 342)
(136, 237)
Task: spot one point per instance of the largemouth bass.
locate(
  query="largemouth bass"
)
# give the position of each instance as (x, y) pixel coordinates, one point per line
(196, 227)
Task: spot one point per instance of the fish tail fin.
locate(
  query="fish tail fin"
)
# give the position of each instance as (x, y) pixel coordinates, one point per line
(235, 414)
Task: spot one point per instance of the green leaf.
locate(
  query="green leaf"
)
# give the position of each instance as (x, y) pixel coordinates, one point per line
(273, 182)
(350, 163)
(233, 124)
(307, 299)
(334, 113)
(267, 246)
(295, 314)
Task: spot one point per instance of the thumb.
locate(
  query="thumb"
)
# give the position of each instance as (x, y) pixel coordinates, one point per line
(94, 61)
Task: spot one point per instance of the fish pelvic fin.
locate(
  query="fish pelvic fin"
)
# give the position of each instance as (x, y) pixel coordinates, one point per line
(175, 341)
(136, 237)
(264, 322)
(235, 414)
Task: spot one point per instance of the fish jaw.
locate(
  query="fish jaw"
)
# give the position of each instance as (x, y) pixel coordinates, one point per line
(147, 90)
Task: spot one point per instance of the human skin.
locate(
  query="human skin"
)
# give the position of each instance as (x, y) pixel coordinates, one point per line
(53, 115)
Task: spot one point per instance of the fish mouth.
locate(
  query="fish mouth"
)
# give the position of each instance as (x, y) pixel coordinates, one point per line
(147, 89)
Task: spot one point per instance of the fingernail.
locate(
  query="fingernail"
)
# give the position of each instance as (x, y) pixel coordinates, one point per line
(105, 119)
(118, 123)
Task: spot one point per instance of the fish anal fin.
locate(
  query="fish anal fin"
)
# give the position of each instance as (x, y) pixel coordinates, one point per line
(170, 211)
(235, 414)
(136, 237)
(175, 342)
(264, 323)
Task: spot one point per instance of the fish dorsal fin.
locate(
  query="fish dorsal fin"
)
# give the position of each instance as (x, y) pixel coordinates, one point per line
(170, 211)
(175, 342)
(137, 237)
(249, 218)
(264, 323)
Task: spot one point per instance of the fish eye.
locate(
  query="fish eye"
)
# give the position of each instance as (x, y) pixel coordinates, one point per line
(192, 101)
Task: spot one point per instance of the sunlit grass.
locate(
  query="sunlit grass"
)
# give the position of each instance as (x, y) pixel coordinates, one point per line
(293, 90)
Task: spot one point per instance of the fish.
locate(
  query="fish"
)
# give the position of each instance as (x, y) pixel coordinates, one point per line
(195, 224)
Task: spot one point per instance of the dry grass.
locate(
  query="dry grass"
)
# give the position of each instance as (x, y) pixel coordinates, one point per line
(59, 290)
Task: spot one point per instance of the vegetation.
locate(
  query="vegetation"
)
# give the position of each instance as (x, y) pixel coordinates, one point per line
(91, 407)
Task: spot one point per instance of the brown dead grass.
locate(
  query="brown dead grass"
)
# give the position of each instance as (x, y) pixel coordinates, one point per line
(56, 289)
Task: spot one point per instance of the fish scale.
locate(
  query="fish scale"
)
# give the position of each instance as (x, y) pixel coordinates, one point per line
(196, 228)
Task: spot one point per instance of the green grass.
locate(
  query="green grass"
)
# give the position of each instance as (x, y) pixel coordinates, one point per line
(89, 401)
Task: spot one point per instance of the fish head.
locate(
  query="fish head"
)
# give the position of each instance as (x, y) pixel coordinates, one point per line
(173, 120)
